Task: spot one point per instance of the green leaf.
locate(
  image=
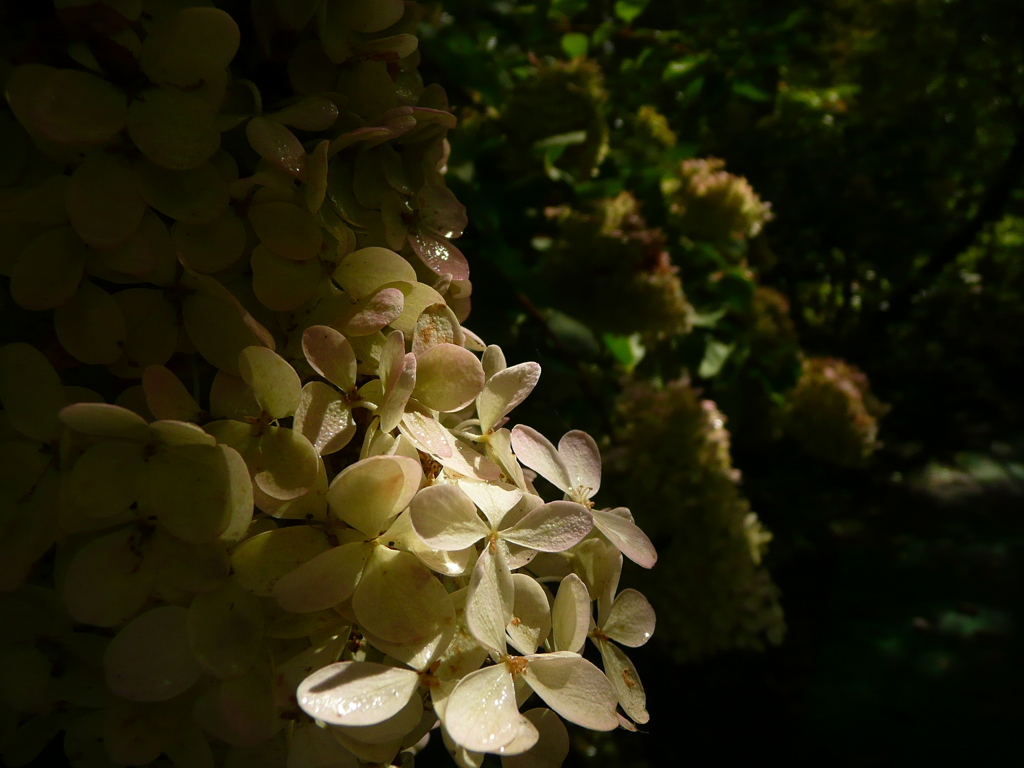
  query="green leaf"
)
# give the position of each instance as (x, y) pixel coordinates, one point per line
(602, 33)
(561, 140)
(627, 10)
(681, 67)
(575, 44)
(715, 354)
(750, 91)
(628, 351)
(707, 319)
(692, 90)
(567, 8)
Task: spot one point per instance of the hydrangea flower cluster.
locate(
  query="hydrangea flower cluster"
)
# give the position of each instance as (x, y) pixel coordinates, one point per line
(672, 462)
(560, 106)
(626, 281)
(303, 534)
(832, 413)
(706, 202)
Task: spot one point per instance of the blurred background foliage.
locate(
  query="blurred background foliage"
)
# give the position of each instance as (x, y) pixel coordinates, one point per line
(771, 253)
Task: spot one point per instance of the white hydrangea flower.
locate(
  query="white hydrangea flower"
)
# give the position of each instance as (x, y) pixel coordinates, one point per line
(575, 469)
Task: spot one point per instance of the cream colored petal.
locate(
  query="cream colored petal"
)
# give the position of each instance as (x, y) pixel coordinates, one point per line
(531, 615)
(571, 615)
(356, 693)
(625, 681)
(481, 713)
(574, 688)
(323, 582)
(370, 492)
(631, 619)
(490, 600)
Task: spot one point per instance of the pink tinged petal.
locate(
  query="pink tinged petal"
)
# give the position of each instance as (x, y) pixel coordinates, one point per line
(629, 539)
(504, 391)
(396, 398)
(494, 499)
(625, 681)
(277, 145)
(631, 619)
(531, 615)
(330, 354)
(553, 527)
(448, 378)
(324, 418)
(323, 582)
(374, 312)
(439, 255)
(574, 688)
(438, 116)
(440, 212)
(445, 518)
(370, 133)
(571, 614)
(399, 600)
(537, 452)
(426, 434)
(481, 713)
(490, 600)
(583, 460)
(370, 492)
(356, 693)
(552, 745)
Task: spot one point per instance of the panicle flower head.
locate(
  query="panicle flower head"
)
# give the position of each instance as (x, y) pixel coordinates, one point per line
(560, 98)
(623, 277)
(305, 529)
(706, 202)
(672, 463)
(832, 412)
